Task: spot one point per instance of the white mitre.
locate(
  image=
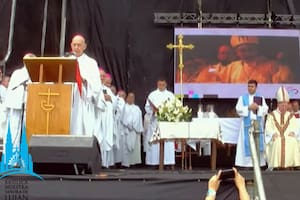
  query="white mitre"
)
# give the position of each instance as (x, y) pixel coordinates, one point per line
(282, 95)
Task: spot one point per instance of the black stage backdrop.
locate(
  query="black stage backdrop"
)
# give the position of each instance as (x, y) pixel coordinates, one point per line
(121, 34)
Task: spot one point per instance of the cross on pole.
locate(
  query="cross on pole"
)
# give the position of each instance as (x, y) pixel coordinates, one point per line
(180, 46)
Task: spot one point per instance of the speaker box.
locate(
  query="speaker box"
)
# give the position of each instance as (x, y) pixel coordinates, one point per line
(57, 154)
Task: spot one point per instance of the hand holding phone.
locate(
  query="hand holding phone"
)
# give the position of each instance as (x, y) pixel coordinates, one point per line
(226, 174)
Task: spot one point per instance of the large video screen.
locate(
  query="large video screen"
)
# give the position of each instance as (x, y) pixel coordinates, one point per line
(223, 60)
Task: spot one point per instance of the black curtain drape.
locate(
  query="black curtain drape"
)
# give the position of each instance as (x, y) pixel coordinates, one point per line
(5, 7)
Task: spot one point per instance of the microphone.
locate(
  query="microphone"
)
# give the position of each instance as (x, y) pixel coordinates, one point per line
(24, 83)
(68, 54)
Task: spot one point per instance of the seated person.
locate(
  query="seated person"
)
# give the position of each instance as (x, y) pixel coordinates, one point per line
(281, 132)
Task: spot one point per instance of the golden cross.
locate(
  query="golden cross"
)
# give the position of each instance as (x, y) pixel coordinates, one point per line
(180, 46)
(47, 106)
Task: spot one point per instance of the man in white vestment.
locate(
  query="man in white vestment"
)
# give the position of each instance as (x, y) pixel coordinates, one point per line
(15, 102)
(120, 103)
(87, 91)
(3, 111)
(282, 135)
(295, 107)
(132, 123)
(3, 88)
(105, 126)
(147, 119)
(249, 107)
(154, 100)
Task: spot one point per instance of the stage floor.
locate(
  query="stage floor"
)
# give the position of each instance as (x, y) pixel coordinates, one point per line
(143, 184)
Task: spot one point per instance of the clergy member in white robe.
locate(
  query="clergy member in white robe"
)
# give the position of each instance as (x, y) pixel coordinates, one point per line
(249, 107)
(295, 107)
(87, 91)
(118, 128)
(3, 88)
(132, 123)
(105, 126)
(147, 120)
(3, 110)
(15, 102)
(154, 100)
(282, 135)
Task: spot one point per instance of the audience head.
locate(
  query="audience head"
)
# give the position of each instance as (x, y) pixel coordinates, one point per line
(215, 181)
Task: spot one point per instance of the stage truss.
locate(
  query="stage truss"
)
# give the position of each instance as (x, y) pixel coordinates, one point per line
(235, 19)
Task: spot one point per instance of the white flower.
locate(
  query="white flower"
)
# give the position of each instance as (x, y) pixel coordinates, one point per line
(173, 111)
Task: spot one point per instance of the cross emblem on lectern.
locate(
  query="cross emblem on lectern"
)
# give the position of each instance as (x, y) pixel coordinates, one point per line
(47, 106)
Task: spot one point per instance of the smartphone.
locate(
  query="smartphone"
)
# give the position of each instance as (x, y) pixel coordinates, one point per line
(226, 174)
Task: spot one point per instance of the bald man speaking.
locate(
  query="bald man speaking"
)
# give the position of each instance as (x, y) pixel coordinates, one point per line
(87, 93)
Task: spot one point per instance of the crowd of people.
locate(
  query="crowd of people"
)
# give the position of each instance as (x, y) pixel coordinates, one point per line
(278, 130)
(111, 115)
(98, 109)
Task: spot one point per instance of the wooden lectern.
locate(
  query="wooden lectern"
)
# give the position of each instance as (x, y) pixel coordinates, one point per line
(48, 109)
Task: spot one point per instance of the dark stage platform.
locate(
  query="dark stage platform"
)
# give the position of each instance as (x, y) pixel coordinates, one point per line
(134, 184)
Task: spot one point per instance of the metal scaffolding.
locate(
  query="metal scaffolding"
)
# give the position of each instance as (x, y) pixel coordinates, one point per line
(205, 19)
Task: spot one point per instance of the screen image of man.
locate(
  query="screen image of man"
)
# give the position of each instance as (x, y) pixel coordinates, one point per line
(214, 73)
(251, 65)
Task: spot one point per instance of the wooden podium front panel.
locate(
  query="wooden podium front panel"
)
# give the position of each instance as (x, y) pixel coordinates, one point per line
(48, 109)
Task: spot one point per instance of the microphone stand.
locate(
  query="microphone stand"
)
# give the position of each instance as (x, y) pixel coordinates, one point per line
(24, 84)
(22, 111)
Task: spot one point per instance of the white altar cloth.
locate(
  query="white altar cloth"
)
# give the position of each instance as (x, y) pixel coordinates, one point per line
(223, 129)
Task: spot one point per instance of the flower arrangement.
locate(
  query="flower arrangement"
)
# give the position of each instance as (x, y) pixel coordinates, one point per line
(174, 111)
